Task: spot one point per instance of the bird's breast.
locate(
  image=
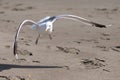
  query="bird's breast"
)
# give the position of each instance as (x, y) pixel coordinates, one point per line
(42, 27)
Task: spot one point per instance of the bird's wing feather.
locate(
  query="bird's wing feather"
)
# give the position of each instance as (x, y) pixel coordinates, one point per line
(85, 21)
(25, 22)
(44, 19)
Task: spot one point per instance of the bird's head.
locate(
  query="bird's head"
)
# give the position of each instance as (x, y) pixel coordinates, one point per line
(49, 27)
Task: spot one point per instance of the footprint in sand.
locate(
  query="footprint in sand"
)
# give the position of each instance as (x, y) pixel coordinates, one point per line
(69, 50)
(15, 77)
(19, 60)
(2, 12)
(25, 52)
(93, 63)
(2, 58)
(7, 46)
(4, 78)
(35, 61)
(69, 9)
(7, 21)
(116, 9)
(22, 9)
(102, 47)
(105, 36)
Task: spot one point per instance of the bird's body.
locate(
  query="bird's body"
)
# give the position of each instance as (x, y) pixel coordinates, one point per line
(46, 24)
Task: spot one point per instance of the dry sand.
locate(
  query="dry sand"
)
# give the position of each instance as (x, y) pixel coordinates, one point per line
(77, 51)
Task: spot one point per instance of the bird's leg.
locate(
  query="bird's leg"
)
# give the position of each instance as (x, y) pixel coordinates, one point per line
(50, 36)
(36, 42)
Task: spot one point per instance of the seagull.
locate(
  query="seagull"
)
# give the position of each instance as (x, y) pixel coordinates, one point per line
(46, 24)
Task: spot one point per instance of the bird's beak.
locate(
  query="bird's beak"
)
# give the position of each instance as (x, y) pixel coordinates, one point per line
(46, 29)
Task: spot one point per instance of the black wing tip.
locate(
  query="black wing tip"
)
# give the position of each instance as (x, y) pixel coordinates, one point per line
(99, 25)
(14, 50)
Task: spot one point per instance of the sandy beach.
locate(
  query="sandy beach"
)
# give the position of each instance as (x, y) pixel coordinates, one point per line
(76, 52)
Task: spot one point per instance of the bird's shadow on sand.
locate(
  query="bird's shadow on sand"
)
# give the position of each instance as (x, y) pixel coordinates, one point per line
(10, 66)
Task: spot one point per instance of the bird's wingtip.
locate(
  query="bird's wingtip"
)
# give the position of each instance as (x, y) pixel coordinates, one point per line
(109, 25)
(16, 56)
(101, 25)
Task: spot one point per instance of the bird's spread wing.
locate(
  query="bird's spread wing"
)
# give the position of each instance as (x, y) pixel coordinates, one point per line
(41, 22)
(25, 22)
(44, 19)
(85, 21)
